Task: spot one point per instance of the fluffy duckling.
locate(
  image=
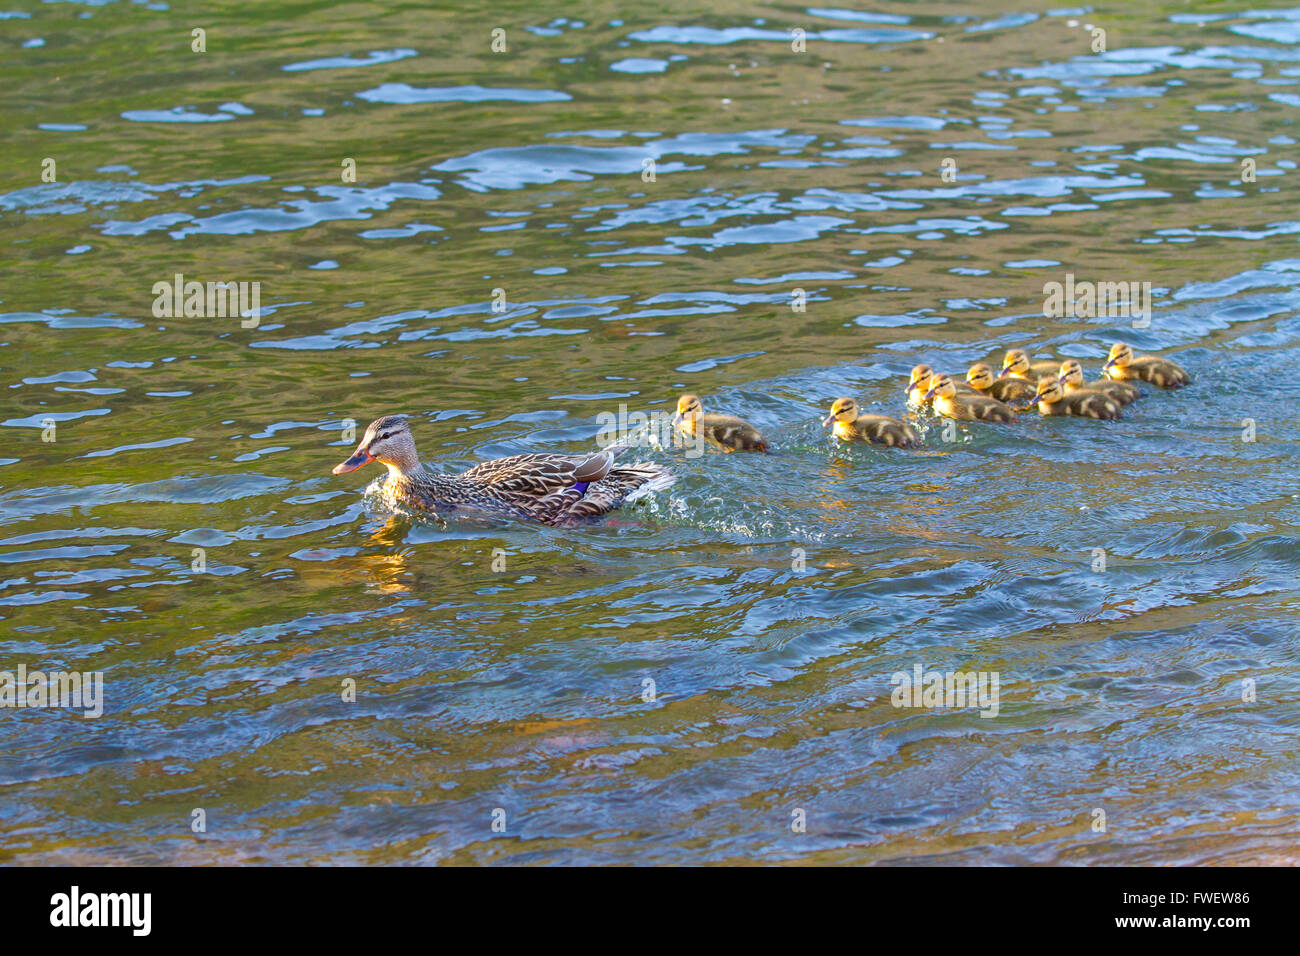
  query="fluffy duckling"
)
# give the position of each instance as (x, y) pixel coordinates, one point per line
(732, 434)
(852, 425)
(1016, 364)
(1122, 365)
(966, 408)
(1071, 377)
(980, 377)
(919, 381)
(1052, 400)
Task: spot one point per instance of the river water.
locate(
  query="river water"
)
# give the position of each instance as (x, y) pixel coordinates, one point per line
(708, 676)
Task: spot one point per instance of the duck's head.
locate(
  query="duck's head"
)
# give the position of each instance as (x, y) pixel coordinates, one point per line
(941, 385)
(1049, 390)
(388, 441)
(842, 410)
(688, 406)
(980, 376)
(1015, 362)
(1121, 354)
(920, 375)
(1071, 373)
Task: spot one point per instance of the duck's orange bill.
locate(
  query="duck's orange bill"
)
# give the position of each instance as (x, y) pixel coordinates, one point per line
(360, 457)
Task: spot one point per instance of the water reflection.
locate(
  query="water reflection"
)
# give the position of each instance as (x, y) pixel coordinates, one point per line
(768, 598)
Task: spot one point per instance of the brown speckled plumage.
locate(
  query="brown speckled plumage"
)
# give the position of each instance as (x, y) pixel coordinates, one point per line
(537, 487)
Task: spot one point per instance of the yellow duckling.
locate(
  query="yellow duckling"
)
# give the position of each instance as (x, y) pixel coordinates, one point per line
(919, 381)
(980, 377)
(732, 434)
(966, 408)
(1052, 400)
(1017, 365)
(1122, 365)
(852, 425)
(1071, 377)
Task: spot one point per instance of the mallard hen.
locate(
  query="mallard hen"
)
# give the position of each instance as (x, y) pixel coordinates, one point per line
(551, 489)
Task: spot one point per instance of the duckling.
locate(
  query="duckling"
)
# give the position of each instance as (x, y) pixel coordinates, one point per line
(966, 408)
(1052, 400)
(1071, 377)
(919, 381)
(1017, 365)
(732, 434)
(1122, 365)
(852, 425)
(980, 377)
(552, 489)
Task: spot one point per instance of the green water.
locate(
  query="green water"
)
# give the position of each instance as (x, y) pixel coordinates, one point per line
(770, 599)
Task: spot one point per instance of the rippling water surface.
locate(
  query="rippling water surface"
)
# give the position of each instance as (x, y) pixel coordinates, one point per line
(770, 599)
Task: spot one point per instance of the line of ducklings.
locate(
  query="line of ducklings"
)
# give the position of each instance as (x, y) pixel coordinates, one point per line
(1056, 388)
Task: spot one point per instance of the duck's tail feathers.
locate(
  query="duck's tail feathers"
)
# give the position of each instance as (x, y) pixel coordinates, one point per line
(594, 467)
(615, 450)
(649, 478)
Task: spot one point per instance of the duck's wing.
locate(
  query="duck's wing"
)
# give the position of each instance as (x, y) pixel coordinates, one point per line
(625, 483)
(1171, 374)
(524, 479)
(1011, 390)
(989, 409)
(1092, 404)
(883, 430)
(1122, 392)
(1159, 371)
(731, 432)
(595, 467)
(537, 476)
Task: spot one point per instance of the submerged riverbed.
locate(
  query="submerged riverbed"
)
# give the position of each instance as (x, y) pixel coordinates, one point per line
(707, 676)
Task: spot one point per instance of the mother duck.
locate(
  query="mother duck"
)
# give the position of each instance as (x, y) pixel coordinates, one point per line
(552, 489)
